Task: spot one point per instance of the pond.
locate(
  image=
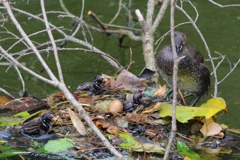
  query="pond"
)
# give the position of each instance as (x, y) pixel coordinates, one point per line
(219, 26)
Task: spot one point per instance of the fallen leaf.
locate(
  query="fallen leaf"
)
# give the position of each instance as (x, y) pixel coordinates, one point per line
(161, 92)
(136, 146)
(112, 130)
(101, 106)
(152, 109)
(185, 113)
(102, 123)
(77, 123)
(4, 100)
(59, 145)
(129, 81)
(183, 150)
(210, 128)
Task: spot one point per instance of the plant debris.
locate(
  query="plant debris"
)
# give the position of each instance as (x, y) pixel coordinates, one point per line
(134, 122)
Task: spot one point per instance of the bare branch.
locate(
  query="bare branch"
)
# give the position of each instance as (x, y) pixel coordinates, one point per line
(21, 78)
(24, 35)
(75, 40)
(175, 78)
(52, 41)
(13, 60)
(7, 93)
(150, 11)
(160, 15)
(63, 6)
(206, 47)
(224, 6)
(119, 10)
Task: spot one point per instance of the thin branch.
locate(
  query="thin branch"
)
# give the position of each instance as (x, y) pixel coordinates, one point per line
(175, 78)
(231, 70)
(7, 93)
(140, 18)
(160, 15)
(224, 6)
(220, 62)
(206, 47)
(63, 6)
(13, 60)
(97, 20)
(24, 35)
(55, 52)
(21, 78)
(75, 40)
(119, 10)
(150, 11)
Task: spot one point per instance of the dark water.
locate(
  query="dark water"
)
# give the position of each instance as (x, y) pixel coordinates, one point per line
(220, 27)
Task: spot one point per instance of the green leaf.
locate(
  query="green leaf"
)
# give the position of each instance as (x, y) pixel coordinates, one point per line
(129, 140)
(185, 113)
(183, 150)
(22, 114)
(148, 148)
(35, 143)
(8, 151)
(136, 146)
(16, 119)
(10, 121)
(41, 150)
(59, 145)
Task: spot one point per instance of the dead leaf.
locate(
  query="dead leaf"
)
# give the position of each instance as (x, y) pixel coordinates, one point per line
(210, 128)
(102, 123)
(22, 104)
(4, 100)
(112, 130)
(77, 123)
(129, 81)
(161, 92)
(148, 148)
(152, 109)
(56, 98)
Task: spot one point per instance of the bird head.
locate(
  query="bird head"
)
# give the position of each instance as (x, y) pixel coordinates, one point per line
(179, 39)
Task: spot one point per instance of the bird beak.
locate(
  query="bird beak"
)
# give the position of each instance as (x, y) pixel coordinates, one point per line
(54, 119)
(104, 80)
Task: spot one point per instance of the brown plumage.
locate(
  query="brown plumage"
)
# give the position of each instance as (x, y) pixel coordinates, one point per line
(193, 75)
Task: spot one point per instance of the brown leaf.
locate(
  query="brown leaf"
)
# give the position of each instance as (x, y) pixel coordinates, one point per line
(4, 100)
(102, 123)
(152, 109)
(56, 98)
(22, 104)
(210, 128)
(161, 92)
(77, 123)
(112, 129)
(129, 81)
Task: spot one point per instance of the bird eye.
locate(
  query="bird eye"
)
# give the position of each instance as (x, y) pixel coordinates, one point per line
(180, 47)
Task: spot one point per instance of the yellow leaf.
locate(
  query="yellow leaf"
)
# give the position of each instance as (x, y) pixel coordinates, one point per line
(185, 113)
(77, 123)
